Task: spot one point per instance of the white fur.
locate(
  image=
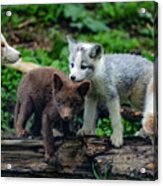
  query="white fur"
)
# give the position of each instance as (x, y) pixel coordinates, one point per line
(117, 135)
(9, 54)
(113, 107)
(89, 117)
(149, 99)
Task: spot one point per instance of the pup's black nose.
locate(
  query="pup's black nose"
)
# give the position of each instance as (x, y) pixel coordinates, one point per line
(66, 118)
(20, 55)
(73, 78)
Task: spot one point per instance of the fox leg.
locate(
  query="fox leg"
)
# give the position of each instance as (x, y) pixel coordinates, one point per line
(36, 127)
(25, 111)
(149, 126)
(114, 110)
(89, 117)
(48, 138)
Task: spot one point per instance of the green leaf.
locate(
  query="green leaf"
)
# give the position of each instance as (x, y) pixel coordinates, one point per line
(95, 25)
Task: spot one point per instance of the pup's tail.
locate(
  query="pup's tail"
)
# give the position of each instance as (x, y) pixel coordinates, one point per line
(148, 121)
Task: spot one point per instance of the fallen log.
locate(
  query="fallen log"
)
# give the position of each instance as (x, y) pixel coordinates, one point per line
(80, 157)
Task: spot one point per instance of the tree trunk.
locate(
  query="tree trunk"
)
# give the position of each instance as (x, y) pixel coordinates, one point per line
(80, 157)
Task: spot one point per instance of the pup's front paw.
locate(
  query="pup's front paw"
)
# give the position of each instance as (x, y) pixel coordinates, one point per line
(56, 133)
(85, 131)
(117, 138)
(51, 160)
(22, 133)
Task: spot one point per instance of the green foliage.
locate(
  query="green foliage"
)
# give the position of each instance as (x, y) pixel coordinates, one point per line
(119, 27)
(130, 128)
(40, 14)
(104, 127)
(117, 41)
(43, 58)
(81, 18)
(9, 82)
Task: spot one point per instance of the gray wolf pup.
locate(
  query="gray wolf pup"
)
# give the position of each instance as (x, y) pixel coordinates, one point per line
(8, 53)
(115, 78)
(50, 95)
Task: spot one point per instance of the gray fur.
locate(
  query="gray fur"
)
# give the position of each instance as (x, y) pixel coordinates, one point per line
(115, 79)
(122, 72)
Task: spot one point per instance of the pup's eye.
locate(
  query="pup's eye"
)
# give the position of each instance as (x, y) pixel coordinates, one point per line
(78, 105)
(72, 65)
(75, 104)
(60, 102)
(71, 104)
(83, 67)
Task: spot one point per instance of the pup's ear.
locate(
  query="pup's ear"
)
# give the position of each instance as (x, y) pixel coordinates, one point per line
(83, 88)
(57, 83)
(71, 42)
(96, 51)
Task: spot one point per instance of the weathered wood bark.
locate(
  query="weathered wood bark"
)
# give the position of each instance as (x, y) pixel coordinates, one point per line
(88, 157)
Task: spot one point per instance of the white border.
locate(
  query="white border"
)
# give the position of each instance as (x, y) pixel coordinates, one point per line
(3, 2)
(63, 182)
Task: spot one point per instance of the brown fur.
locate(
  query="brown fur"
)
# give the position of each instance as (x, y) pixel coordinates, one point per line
(148, 124)
(49, 94)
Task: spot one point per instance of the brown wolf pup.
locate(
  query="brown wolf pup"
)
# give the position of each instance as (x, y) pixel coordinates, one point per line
(49, 94)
